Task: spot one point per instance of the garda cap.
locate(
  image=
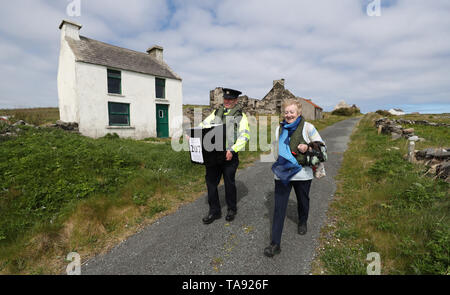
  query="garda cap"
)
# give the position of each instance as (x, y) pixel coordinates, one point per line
(230, 93)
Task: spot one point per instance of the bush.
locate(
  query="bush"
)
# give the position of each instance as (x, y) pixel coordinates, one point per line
(346, 111)
(383, 113)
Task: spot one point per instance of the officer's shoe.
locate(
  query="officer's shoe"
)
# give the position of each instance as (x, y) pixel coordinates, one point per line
(272, 250)
(210, 218)
(302, 229)
(230, 215)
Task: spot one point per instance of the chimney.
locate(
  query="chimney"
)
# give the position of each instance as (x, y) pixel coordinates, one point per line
(278, 81)
(70, 29)
(156, 51)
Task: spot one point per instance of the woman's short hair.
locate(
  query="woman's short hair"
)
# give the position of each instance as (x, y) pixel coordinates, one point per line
(287, 102)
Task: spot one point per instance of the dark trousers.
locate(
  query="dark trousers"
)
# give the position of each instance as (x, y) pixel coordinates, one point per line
(213, 175)
(282, 193)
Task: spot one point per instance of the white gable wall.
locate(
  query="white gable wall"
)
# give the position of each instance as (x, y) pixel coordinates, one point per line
(174, 93)
(137, 89)
(66, 80)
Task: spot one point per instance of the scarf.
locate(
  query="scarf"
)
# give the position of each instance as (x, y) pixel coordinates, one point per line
(286, 165)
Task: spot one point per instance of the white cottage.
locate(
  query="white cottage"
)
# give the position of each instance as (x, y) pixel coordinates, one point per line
(109, 89)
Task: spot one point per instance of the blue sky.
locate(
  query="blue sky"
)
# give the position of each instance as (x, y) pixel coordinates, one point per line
(325, 50)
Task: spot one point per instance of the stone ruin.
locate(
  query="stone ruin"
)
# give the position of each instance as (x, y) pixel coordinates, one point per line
(270, 104)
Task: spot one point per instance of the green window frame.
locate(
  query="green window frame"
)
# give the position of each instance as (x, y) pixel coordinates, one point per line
(160, 88)
(119, 114)
(114, 82)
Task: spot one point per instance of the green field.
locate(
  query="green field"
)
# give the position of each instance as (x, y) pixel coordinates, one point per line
(387, 205)
(35, 116)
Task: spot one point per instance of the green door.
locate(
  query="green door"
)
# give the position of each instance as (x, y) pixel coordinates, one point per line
(162, 120)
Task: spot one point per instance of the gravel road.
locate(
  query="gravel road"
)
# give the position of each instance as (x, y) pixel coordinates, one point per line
(181, 244)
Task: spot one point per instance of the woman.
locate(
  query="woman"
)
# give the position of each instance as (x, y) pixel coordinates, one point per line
(291, 170)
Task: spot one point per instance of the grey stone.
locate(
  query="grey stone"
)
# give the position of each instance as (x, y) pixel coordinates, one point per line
(421, 122)
(70, 126)
(20, 122)
(443, 170)
(441, 154)
(423, 153)
(436, 153)
(395, 136)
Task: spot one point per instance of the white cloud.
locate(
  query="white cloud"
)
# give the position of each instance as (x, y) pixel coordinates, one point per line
(326, 50)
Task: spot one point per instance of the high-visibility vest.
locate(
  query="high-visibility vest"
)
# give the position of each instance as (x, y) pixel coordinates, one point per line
(238, 132)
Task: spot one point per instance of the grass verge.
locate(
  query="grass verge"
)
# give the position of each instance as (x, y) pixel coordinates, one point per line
(385, 204)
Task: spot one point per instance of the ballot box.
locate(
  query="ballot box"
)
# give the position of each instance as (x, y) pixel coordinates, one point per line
(207, 145)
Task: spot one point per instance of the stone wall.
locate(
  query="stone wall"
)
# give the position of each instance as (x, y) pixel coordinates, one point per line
(436, 159)
(8, 129)
(396, 130)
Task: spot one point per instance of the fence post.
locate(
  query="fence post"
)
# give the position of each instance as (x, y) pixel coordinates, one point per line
(380, 128)
(411, 148)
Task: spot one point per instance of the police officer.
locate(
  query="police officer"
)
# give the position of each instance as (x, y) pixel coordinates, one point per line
(238, 133)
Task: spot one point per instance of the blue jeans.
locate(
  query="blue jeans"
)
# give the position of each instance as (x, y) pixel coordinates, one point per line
(282, 193)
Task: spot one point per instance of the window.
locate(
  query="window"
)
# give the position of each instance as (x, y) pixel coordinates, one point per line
(114, 82)
(160, 85)
(119, 114)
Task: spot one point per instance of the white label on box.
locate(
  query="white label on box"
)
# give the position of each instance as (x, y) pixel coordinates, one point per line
(195, 147)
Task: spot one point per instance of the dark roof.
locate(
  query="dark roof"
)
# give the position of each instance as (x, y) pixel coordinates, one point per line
(99, 53)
